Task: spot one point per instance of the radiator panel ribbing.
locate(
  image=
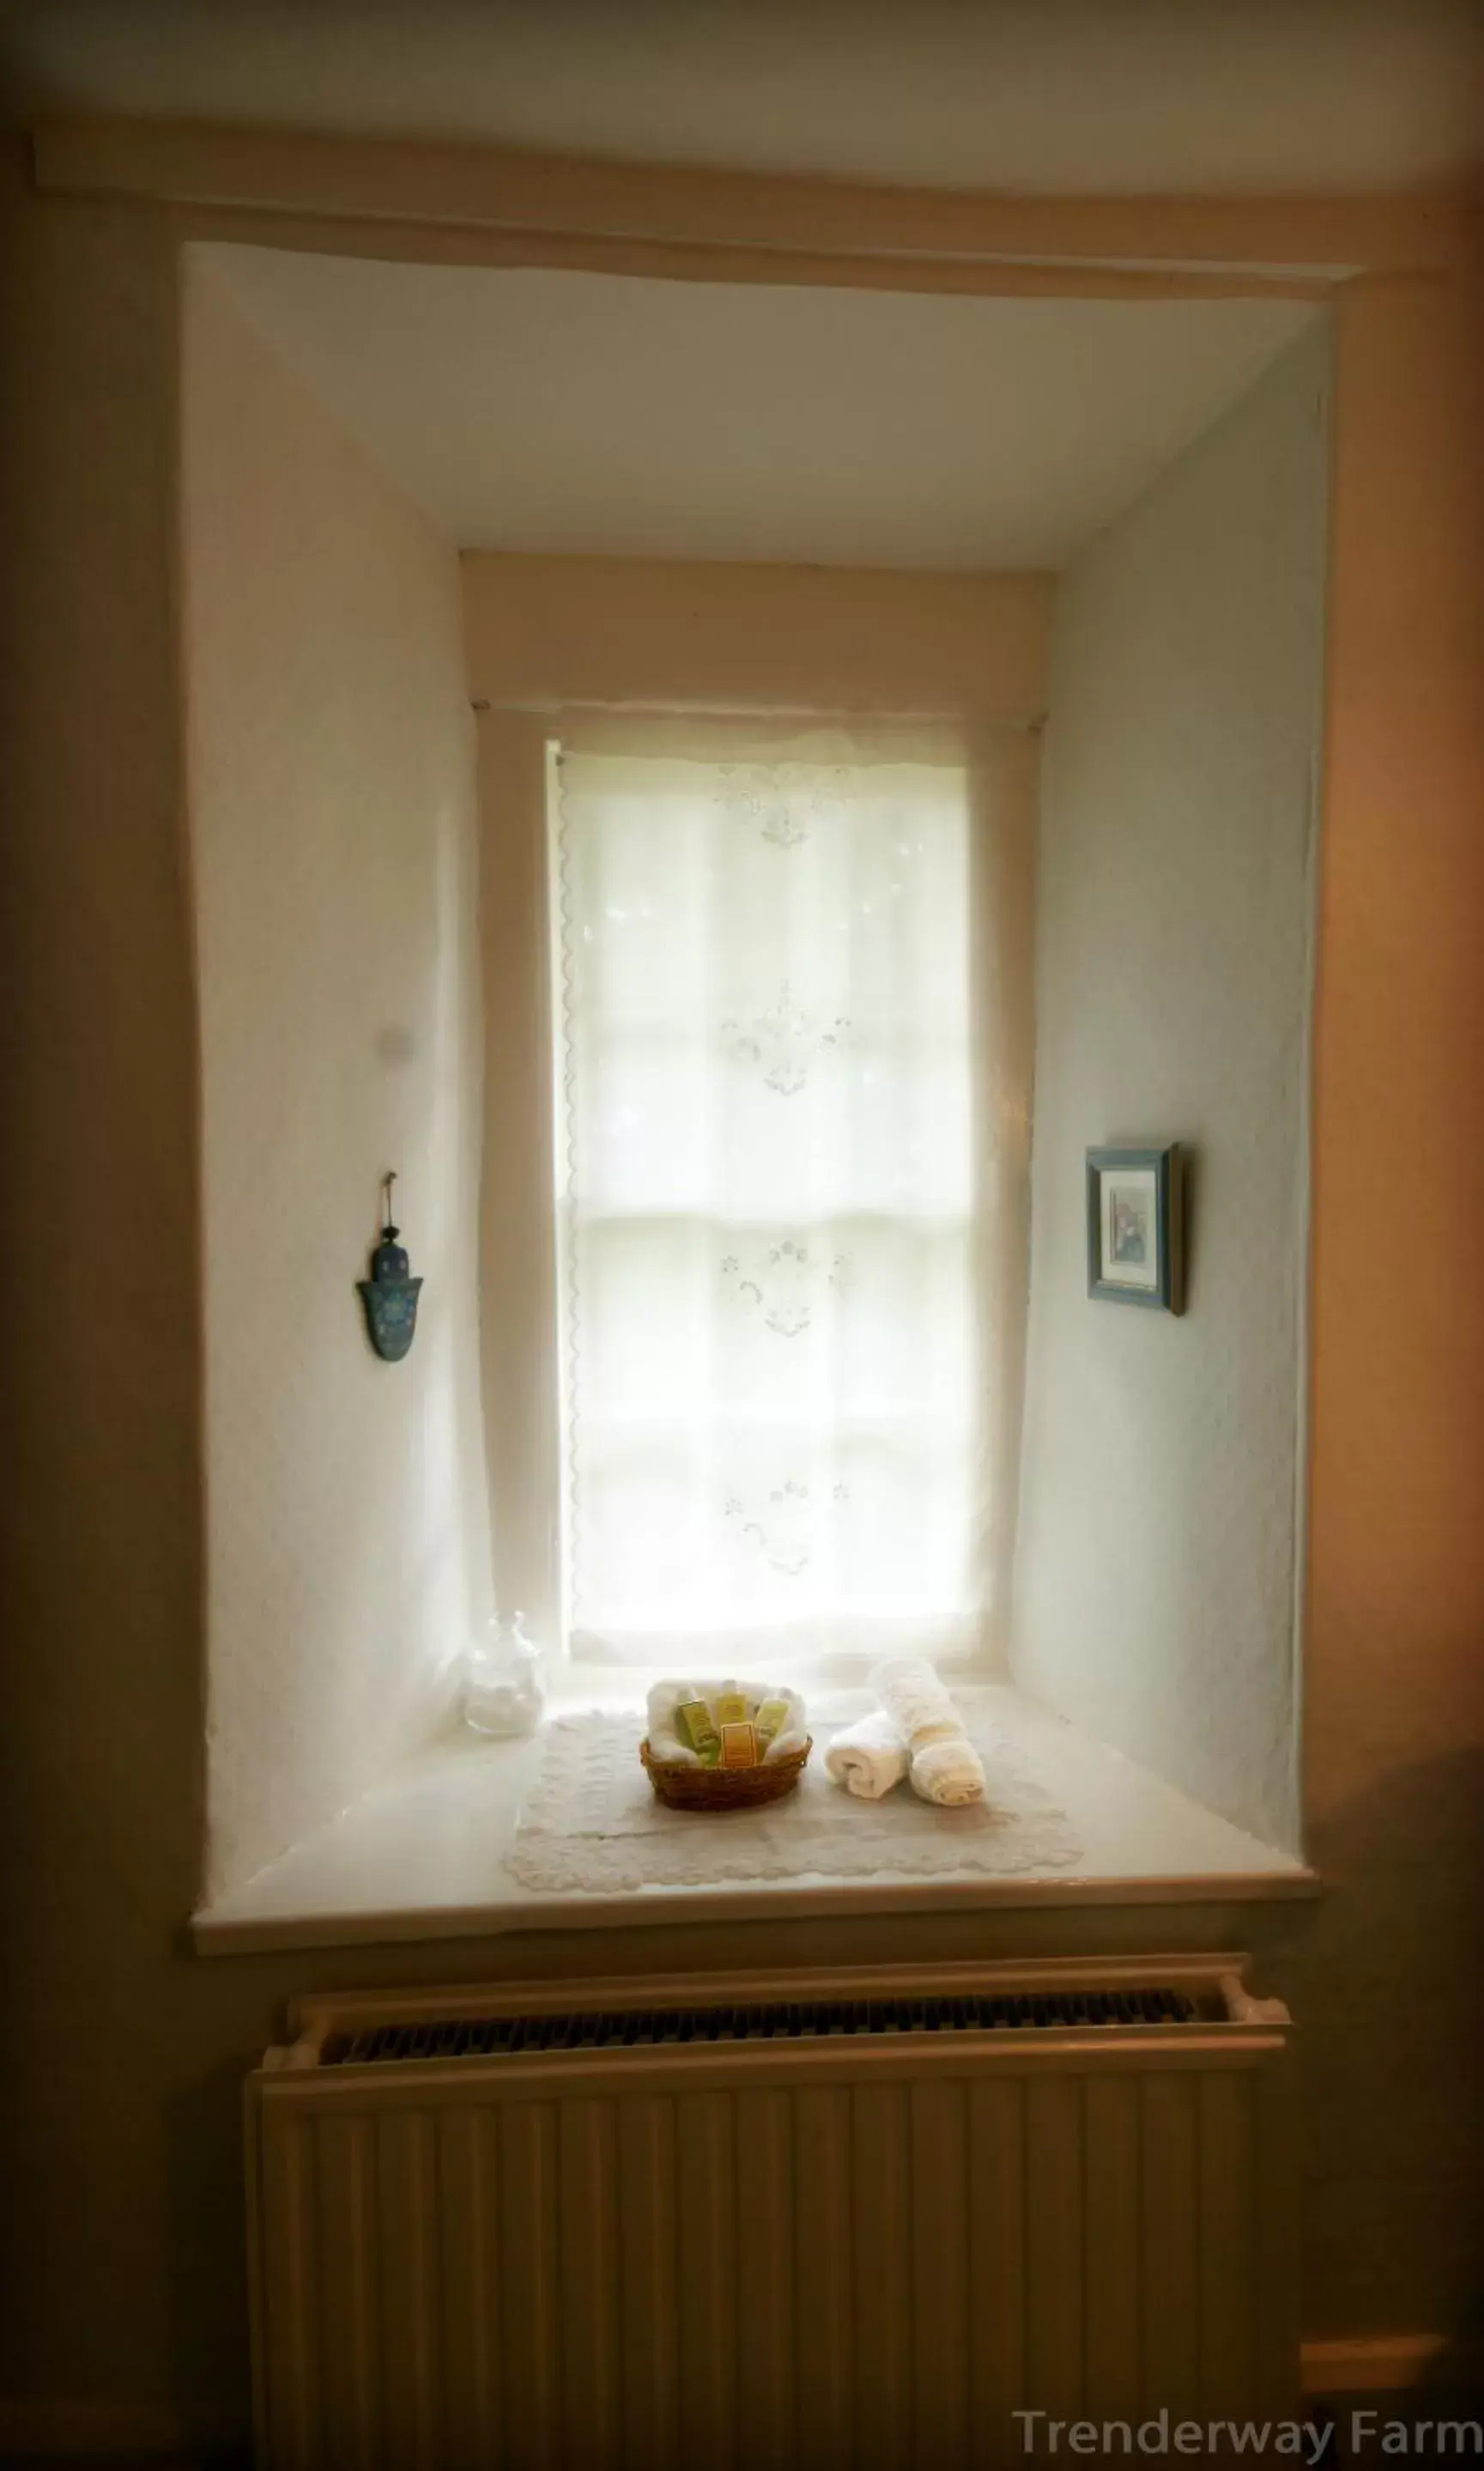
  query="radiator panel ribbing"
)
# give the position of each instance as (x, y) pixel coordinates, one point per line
(834, 2248)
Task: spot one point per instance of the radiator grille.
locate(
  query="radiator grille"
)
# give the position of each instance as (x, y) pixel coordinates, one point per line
(458, 2038)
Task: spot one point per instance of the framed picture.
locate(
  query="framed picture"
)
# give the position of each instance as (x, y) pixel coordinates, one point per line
(1134, 1227)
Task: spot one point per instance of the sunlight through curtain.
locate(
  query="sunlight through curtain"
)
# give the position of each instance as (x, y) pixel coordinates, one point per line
(767, 1207)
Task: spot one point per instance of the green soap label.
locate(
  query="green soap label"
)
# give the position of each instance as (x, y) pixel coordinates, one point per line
(772, 1717)
(694, 1724)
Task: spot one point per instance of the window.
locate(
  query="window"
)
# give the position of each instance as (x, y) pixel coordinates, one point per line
(773, 1361)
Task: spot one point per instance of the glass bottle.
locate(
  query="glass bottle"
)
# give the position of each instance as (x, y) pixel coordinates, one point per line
(505, 1688)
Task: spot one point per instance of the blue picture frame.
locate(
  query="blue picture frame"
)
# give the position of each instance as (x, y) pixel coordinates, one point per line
(1135, 1225)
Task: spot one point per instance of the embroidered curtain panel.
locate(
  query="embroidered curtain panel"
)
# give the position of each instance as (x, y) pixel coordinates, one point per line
(774, 1341)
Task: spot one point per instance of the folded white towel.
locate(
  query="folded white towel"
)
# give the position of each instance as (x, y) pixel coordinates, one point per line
(667, 1696)
(794, 1736)
(942, 1762)
(664, 1742)
(867, 1757)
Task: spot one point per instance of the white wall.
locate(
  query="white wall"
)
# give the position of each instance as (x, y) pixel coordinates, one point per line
(331, 773)
(1156, 1568)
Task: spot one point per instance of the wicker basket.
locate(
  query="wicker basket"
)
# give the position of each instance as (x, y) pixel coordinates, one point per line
(684, 1787)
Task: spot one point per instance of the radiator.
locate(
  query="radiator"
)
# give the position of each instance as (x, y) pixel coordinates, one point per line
(856, 2218)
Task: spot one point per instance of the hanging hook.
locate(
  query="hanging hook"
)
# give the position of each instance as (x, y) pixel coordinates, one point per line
(388, 1181)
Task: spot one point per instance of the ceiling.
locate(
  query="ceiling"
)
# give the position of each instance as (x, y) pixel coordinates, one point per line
(600, 415)
(1071, 96)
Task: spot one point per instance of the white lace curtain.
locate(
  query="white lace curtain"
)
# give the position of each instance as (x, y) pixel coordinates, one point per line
(768, 1191)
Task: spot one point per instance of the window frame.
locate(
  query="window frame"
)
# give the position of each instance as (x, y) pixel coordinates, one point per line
(1000, 741)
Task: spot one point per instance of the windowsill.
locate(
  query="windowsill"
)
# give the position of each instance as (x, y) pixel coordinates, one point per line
(421, 1857)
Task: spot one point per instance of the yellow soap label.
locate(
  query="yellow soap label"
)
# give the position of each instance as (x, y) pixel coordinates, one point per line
(739, 1746)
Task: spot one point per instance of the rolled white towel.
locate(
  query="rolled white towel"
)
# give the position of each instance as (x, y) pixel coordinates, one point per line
(867, 1757)
(948, 1773)
(942, 1763)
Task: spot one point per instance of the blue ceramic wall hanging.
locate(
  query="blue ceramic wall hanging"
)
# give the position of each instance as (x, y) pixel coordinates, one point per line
(389, 1295)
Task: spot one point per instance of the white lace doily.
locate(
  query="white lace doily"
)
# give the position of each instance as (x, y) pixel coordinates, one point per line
(593, 1823)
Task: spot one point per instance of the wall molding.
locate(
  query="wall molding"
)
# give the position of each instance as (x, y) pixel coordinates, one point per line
(1251, 242)
(1001, 278)
(143, 2431)
(1390, 2363)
